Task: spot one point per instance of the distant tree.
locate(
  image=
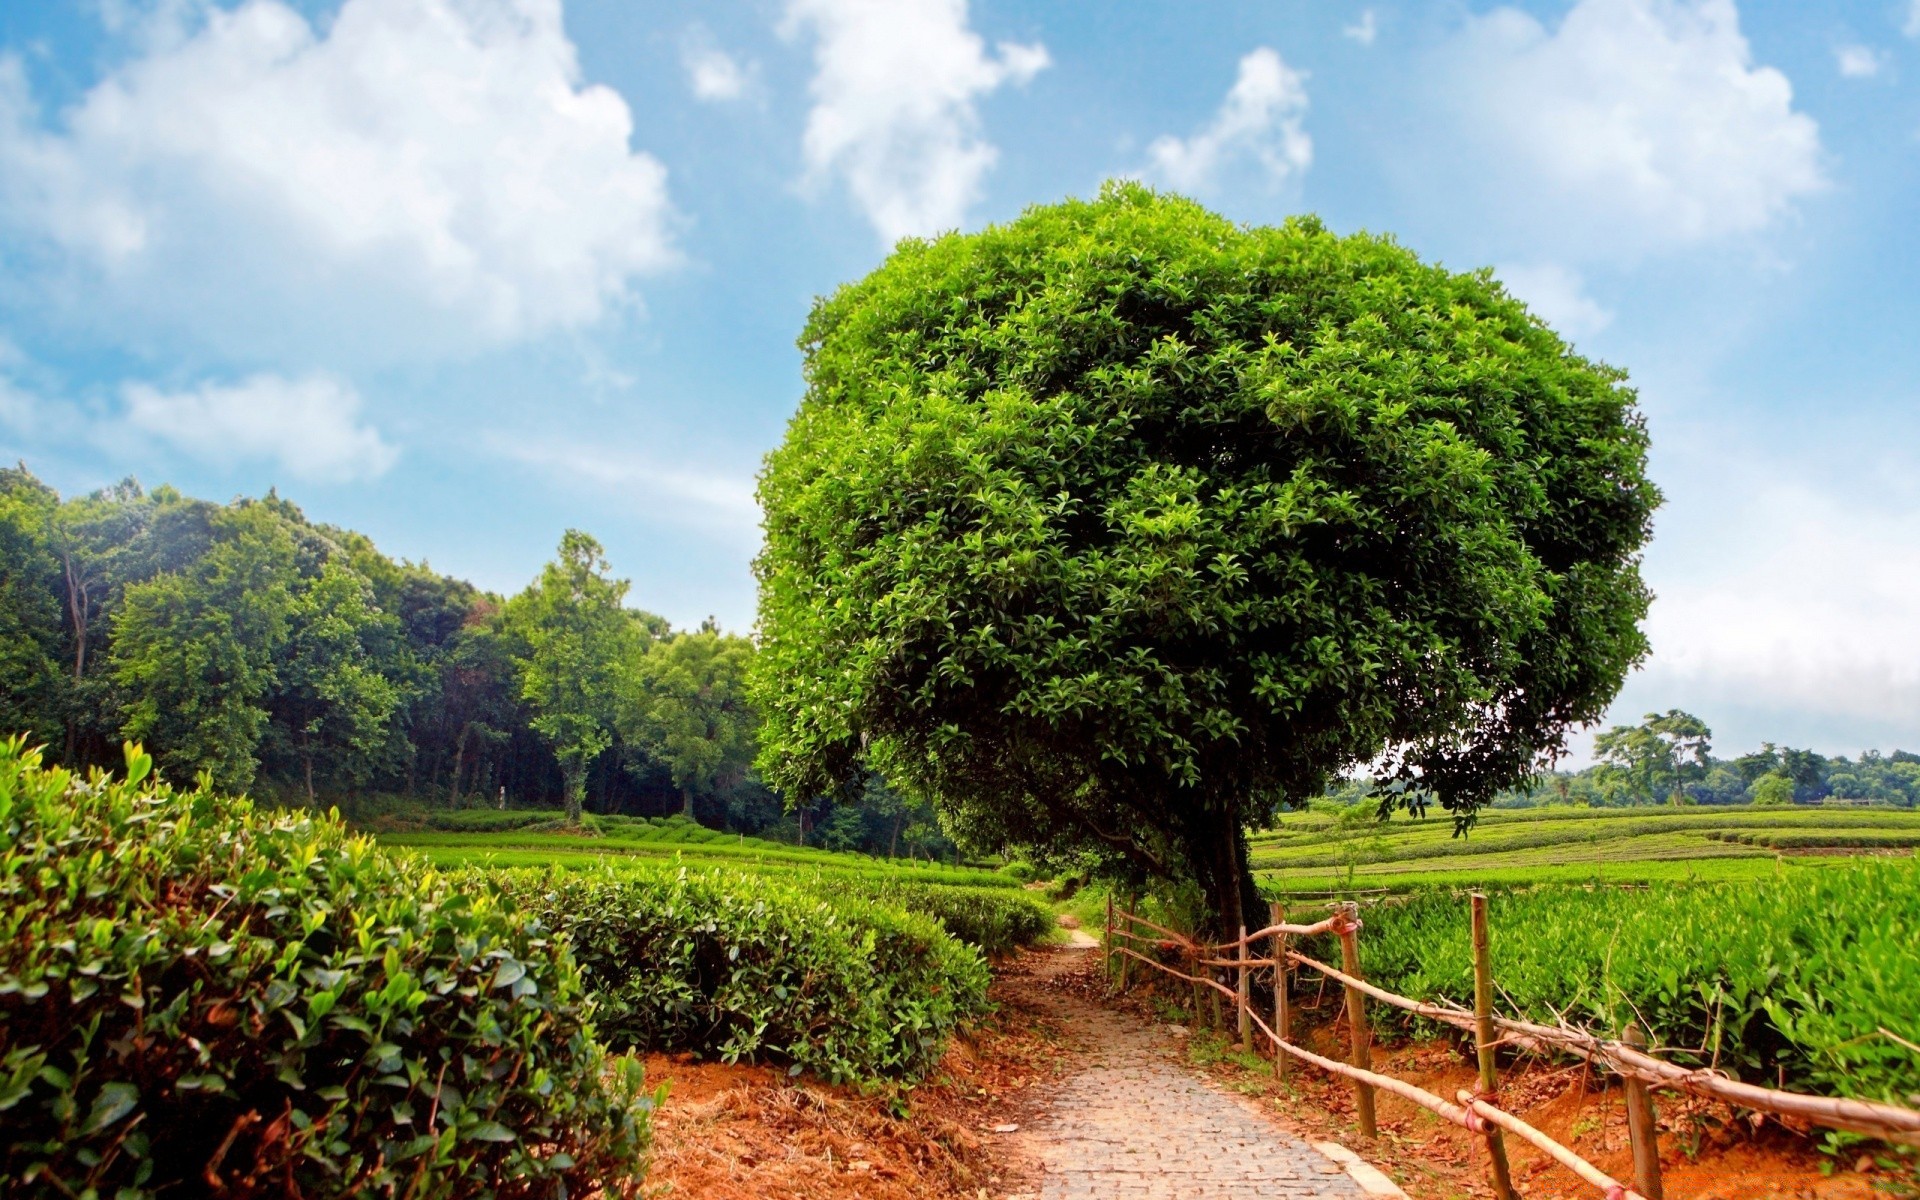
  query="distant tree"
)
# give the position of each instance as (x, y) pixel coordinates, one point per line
(687, 707)
(195, 649)
(1772, 789)
(331, 699)
(579, 645)
(1661, 755)
(1116, 528)
(34, 689)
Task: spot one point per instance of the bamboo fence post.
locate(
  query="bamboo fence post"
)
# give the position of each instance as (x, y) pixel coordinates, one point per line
(1193, 969)
(1106, 946)
(1483, 1040)
(1640, 1126)
(1133, 903)
(1357, 1019)
(1276, 915)
(1245, 996)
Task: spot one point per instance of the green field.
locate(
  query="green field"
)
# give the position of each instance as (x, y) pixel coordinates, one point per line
(673, 839)
(1315, 851)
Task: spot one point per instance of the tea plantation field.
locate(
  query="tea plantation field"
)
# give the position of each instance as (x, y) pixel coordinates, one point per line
(1318, 852)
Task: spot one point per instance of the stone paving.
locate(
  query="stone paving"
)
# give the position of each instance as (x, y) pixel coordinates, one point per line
(1135, 1123)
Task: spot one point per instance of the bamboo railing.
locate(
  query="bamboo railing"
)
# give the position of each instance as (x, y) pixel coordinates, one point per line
(1475, 1111)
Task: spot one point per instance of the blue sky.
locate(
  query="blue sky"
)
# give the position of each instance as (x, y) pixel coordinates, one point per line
(464, 273)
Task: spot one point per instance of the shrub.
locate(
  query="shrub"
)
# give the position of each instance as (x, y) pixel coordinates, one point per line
(195, 991)
(744, 967)
(1791, 978)
(995, 920)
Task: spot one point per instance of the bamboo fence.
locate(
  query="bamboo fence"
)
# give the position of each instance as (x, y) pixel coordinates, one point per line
(1475, 1111)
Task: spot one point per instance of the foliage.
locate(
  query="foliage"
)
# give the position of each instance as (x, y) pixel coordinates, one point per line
(998, 921)
(1772, 790)
(745, 967)
(688, 708)
(333, 702)
(195, 992)
(1115, 527)
(1659, 756)
(579, 644)
(195, 649)
(1790, 977)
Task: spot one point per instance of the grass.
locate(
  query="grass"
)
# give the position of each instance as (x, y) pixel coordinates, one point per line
(1315, 852)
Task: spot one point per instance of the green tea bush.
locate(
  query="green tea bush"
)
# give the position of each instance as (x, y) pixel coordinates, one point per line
(1792, 977)
(995, 920)
(196, 994)
(744, 967)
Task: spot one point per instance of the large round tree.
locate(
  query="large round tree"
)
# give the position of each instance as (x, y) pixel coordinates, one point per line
(1114, 528)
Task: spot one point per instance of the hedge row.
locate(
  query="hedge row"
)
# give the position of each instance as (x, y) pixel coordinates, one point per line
(996, 920)
(197, 994)
(746, 967)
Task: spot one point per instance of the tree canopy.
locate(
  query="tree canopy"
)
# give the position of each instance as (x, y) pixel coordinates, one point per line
(1114, 528)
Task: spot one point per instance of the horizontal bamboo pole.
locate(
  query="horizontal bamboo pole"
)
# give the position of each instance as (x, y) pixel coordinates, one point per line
(1332, 924)
(1888, 1122)
(1386, 1083)
(1609, 1187)
(1435, 1012)
(1181, 938)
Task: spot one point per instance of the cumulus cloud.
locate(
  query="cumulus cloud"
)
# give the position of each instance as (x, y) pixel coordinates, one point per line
(1557, 296)
(1260, 119)
(1635, 124)
(712, 72)
(1858, 62)
(894, 116)
(310, 426)
(413, 178)
(1363, 30)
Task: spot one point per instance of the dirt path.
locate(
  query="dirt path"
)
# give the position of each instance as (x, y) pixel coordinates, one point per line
(1133, 1122)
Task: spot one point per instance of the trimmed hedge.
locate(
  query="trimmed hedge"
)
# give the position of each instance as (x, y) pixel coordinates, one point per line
(744, 967)
(995, 920)
(195, 994)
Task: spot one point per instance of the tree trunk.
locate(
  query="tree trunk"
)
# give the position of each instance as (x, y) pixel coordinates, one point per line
(77, 606)
(460, 760)
(893, 843)
(1219, 853)
(576, 792)
(686, 802)
(306, 757)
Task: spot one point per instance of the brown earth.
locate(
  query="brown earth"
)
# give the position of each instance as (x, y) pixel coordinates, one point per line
(751, 1133)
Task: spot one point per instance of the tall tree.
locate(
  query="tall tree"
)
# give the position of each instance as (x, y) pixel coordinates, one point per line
(579, 643)
(332, 703)
(34, 693)
(195, 649)
(1116, 527)
(1661, 755)
(688, 708)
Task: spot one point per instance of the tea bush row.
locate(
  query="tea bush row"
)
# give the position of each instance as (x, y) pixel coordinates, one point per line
(744, 967)
(1791, 977)
(197, 994)
(996, 921)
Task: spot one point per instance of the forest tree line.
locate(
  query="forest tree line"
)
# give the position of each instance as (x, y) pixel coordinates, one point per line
(295, 660)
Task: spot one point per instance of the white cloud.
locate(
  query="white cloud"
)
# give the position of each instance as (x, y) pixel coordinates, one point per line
(894, 92)
(1911, 26)
(1635, 125)
(709, 497)
(1557, 296)
(712, 72)
(1858, 62)
(310, 426)
(414, 178)
(1260, 117)
(1363, 30)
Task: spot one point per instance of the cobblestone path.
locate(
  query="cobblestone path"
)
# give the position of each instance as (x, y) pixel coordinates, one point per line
(1135, 1123)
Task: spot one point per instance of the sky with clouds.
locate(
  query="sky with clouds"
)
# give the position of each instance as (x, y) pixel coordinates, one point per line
(464, 273)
